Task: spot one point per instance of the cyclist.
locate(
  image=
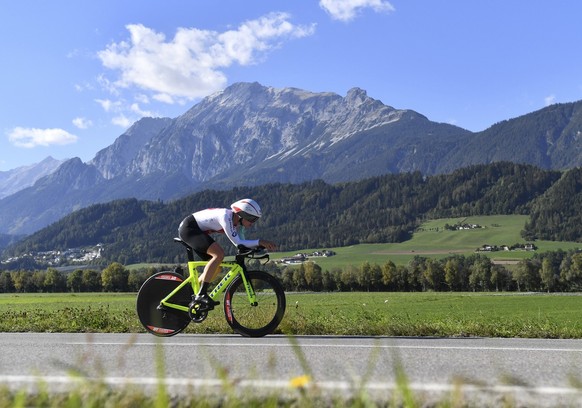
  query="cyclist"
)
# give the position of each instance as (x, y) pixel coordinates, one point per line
(196, 228)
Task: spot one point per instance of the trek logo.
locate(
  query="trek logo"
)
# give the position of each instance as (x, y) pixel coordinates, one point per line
(221, 284)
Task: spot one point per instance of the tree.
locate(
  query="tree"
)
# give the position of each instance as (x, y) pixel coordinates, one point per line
(37, 282)
(6, 284)
(364, 276)
(376, 277)
(348, 278)
(571, 271)
(526, 275)
(548, 275)
(21, 280)
(287, 279)
(54, 281)
(416, 268)
(114, 278)
(389, 275)
(480, 273)
(433, 274)
(299, 281)
(91, 281)
(136, 278)
(75, 281)
(452, 277)
(500, 277)
(313, 276)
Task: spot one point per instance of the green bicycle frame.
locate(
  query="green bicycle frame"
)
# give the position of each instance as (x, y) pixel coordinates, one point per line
(234, 269)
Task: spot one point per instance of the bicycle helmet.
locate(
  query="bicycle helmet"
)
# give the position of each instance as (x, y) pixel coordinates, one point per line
(247, 209)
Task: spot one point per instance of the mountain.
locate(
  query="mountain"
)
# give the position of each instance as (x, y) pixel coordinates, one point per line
(14, 180)
(550, 138)
(249, 134)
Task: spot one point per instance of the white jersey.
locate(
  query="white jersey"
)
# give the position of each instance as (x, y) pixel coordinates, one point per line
(219, 220)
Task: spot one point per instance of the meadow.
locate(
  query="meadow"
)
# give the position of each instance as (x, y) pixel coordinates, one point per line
(432, 240)
(492, 314)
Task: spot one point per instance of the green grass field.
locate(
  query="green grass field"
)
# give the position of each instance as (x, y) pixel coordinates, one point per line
(359, 313)
(433, 241)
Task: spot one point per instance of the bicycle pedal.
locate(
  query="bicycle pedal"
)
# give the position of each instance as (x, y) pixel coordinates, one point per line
(205, 303)
(205, 307)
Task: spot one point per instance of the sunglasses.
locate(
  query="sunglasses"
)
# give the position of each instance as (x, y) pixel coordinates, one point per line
(249, 218)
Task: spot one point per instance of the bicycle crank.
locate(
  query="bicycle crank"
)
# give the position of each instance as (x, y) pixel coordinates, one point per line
(195, 313)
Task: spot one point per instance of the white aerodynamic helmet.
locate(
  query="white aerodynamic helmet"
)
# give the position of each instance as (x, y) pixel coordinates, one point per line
(247, 209)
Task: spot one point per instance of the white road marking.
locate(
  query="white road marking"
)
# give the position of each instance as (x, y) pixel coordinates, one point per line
(327, 345)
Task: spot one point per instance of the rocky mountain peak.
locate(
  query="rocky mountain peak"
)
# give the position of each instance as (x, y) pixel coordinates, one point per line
(356, 96)
(14, 180)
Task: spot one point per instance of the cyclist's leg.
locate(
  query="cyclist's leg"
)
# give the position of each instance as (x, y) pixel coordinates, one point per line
(212, 268)
(208, 250)
(198, 240)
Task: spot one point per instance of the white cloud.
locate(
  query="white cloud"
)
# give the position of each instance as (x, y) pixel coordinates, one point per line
(108, 105)
(142, 98)
(122, 121)
(550, 100)
(82, 123)
(135, 108)
(346, 10)
(126, 113)
(32, 137)
(190, 65)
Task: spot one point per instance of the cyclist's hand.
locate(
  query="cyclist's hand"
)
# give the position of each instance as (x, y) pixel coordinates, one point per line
(268, 245)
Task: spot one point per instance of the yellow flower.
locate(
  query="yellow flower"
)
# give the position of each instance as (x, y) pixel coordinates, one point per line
(300, 382)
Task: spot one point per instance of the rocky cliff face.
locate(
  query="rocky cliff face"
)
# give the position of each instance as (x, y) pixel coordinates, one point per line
(114, 160)
(246, 124)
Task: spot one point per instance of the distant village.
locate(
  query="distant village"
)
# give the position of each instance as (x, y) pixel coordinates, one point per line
(56, 258)
(302, 257)
(515, 247)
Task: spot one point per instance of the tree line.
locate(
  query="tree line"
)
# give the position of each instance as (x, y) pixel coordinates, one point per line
(556, 271)
(114, 278)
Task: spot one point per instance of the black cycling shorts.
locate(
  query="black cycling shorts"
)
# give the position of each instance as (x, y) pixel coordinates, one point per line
(190, 233)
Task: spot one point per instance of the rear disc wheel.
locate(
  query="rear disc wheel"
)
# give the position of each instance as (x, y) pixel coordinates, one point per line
(158, 320)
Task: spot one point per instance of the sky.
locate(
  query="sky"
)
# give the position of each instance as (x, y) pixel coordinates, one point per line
(76, 74)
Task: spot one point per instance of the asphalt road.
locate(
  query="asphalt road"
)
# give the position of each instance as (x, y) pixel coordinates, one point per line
(534, 372)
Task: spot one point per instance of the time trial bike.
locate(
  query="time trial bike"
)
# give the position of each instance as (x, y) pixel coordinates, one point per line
(254, 301)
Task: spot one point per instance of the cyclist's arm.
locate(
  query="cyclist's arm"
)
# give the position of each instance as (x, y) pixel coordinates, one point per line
(233, 235)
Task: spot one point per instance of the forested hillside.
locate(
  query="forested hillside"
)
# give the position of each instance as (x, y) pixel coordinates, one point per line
(316, 214)
(557, 214)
